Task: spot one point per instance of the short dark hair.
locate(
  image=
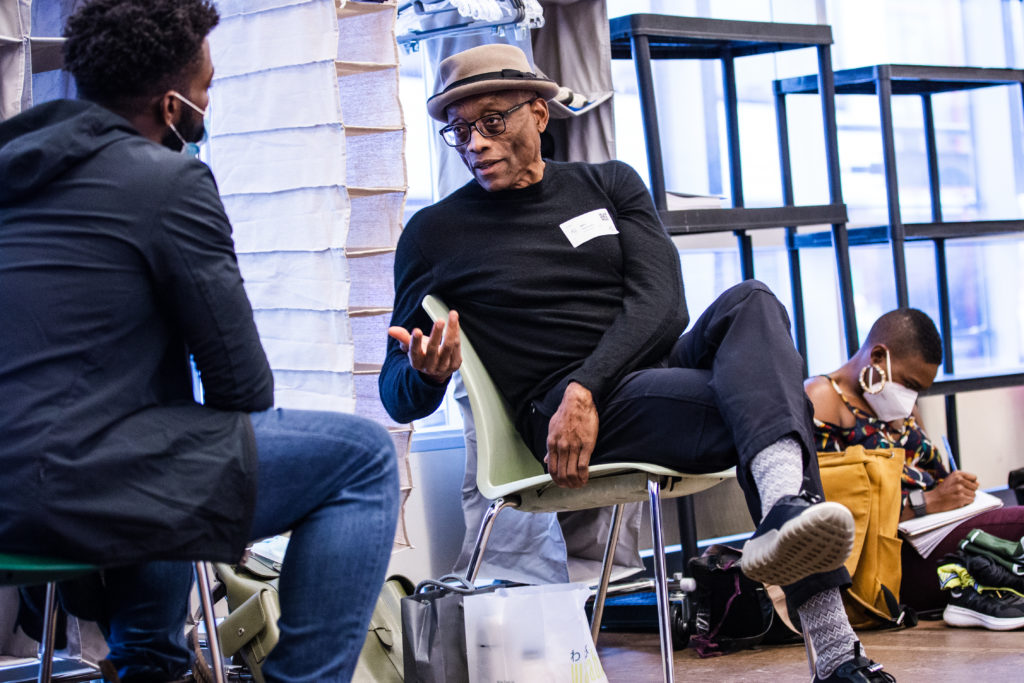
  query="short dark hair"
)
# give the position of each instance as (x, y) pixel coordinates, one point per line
(121, 50)
(907, 331)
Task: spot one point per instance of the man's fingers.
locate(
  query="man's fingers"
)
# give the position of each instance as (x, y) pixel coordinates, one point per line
(401, 335)
(436, 335)
(416, 354)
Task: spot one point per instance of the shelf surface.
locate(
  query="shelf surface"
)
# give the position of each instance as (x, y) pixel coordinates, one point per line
(907, 79)
(957, 382)
(916, 231)
(674, 37)
(696, 221)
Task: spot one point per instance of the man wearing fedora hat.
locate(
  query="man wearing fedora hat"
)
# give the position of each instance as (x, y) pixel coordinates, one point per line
(572, 293)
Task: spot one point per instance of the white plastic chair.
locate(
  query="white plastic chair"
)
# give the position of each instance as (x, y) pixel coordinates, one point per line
(508, 474)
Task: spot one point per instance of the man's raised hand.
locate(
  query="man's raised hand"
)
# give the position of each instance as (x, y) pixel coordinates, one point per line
(436, 356)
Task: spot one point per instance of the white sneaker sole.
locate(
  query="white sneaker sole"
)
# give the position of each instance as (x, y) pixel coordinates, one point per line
(819, 540)
(961, 616)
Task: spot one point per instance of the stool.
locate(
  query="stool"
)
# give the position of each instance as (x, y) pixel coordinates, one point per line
(28, 570)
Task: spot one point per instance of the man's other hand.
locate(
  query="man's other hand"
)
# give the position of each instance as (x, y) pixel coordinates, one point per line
(572, 433)
(436, 356)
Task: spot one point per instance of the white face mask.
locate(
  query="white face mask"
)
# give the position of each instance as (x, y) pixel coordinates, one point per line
(889, 400)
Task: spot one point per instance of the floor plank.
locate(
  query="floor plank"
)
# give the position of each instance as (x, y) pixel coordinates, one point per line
(930, 652)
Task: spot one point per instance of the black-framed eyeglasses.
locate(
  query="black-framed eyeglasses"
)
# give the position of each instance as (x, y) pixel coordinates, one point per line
(488, 125)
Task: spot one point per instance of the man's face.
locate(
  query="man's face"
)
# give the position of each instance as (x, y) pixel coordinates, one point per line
(510, 160)
(190, 122)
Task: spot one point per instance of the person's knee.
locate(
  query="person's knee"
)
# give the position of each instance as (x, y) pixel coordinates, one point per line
(755, 295)
(749, 288)
(381, 446)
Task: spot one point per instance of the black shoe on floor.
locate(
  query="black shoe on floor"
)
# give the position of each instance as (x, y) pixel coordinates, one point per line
(992, 609)
(858, 669)
(801, 535)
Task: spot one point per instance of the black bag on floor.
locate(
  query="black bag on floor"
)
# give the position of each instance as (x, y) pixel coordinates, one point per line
(732, 612)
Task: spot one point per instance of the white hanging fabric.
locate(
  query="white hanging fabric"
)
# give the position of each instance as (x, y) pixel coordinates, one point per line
(15, 58)
(307, 145)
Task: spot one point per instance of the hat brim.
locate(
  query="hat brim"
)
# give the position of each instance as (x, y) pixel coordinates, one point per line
(437, 104)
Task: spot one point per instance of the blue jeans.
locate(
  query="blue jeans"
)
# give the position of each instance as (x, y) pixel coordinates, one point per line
(329, 478)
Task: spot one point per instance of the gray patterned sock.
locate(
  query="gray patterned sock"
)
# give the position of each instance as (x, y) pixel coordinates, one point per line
(824, 621)
(778, 471)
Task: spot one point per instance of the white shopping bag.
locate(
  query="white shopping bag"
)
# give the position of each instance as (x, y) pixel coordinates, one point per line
(528, 634)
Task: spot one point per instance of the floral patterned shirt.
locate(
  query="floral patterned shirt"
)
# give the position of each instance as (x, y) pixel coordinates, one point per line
(923, 467)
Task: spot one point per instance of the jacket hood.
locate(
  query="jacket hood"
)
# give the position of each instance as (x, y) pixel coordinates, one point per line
(45, 141)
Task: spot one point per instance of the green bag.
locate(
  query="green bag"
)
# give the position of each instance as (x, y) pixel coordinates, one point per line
(250, 629)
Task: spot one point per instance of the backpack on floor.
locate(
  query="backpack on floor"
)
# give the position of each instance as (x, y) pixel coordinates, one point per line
(867, 482)
(250, 629)
(731, 611)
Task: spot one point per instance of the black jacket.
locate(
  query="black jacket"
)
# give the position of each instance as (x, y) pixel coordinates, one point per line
(116, 260)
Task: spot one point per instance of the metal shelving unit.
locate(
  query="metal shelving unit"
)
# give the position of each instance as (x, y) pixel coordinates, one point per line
(646, 37)
(643, 37)
(886, 81)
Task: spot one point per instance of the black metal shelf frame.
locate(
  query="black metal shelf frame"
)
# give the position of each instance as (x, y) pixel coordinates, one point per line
(643, 37)
(886, 81)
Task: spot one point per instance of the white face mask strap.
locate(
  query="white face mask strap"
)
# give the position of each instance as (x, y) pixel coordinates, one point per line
(175, 131)
(202, 112)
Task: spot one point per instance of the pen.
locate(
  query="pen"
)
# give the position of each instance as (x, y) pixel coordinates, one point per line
(951, 461)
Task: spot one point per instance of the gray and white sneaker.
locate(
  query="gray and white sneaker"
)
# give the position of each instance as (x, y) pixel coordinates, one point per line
(801, 535)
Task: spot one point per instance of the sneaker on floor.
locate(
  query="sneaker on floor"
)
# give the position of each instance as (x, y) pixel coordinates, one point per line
(801, 535)
(992, 609)
(858, 669)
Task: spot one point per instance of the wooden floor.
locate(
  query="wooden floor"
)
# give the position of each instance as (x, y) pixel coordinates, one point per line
(930, 652)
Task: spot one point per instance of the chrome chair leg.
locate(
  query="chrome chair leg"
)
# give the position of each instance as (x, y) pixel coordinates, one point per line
(210, 621)
(49, 634)
(476, 559)
(661, 581)
(606, 572)
(811, 656)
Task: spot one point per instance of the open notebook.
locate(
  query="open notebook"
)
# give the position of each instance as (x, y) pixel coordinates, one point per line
(924, 533)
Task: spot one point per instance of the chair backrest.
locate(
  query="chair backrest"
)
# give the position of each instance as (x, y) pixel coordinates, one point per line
(505, 465)
(502, 457)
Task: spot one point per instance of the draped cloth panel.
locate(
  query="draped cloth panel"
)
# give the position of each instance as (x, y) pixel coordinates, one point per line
(307, 145)
(15, 57)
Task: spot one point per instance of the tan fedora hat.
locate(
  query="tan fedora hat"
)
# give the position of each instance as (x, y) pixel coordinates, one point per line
(484, 69)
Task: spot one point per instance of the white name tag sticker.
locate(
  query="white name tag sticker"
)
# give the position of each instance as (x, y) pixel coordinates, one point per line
(587, 226)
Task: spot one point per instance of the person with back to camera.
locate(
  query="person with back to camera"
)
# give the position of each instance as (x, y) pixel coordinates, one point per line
(871, 401)
(116, 261)
(569, 287)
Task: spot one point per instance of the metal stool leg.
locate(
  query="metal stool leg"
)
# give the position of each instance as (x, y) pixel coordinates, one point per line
(811, 656)
(210, 620)
(49, 634)
(486, 525)
(606, 572)
(661, 581)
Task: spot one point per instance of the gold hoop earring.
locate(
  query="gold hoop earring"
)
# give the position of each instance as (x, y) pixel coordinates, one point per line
(881, 373)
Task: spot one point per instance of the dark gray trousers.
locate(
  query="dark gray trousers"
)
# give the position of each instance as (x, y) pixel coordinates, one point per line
(732, 385)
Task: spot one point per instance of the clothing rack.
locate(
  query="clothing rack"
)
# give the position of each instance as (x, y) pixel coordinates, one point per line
(514, 17)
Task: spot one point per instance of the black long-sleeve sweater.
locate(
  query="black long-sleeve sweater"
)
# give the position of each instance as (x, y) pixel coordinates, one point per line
(537, 309)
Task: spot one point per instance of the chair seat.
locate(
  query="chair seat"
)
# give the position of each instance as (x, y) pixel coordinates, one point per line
(28, 570)
(609, 484)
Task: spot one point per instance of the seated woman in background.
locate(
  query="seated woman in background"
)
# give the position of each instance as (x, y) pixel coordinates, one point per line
(904, 349)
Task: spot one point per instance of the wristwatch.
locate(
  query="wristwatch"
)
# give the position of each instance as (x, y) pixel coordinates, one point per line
(916, 500)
